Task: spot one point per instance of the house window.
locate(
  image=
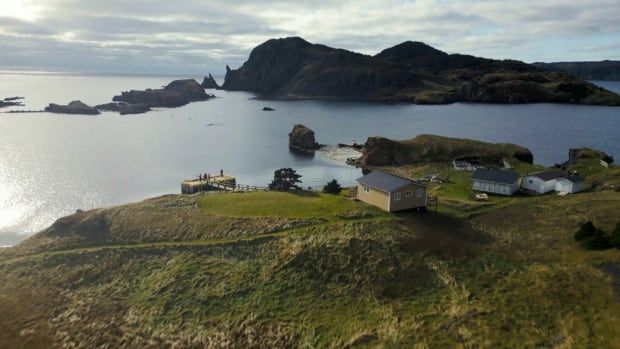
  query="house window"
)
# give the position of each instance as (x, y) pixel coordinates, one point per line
(408, 193)
(366, 189)
(397, 196)
(420, 192)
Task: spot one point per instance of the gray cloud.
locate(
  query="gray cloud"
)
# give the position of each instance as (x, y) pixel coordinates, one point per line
(195, 36)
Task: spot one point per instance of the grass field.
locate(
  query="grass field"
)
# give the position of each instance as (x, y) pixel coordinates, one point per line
(293, 205)
(284, 270)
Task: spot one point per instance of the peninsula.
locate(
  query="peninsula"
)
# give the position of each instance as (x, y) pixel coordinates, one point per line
(293, 68)
(270, 269)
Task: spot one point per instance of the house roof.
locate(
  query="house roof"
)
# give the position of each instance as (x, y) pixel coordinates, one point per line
(574, 179)
(548, 175)
(383, 181)
(495, 176)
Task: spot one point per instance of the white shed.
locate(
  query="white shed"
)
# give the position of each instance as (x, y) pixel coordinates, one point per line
(569, 184)
(541, 182)
(495, 181)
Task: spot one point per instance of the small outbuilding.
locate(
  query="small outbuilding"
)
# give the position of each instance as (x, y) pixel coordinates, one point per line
(569, 184)
(391, 193)
(501, 182)
(541, 182)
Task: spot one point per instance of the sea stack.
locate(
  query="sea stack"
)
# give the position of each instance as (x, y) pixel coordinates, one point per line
(302, 138)
(209, 82)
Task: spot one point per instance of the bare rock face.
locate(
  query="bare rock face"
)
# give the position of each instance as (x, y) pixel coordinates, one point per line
(175, 94)
(379, 151)
(75, 107)
(125, 108)
(302, 138)
(209, 82)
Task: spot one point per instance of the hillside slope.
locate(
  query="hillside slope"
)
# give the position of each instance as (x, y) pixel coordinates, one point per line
(602, 70)
(284, 270)
(409, 72)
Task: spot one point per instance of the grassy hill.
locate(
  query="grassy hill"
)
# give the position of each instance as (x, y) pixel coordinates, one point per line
(427, 148)
(283, 270)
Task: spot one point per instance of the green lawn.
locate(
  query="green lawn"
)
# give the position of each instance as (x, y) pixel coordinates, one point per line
(291, 205)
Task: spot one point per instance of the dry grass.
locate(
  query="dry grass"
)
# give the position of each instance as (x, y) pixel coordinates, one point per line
(509, 276)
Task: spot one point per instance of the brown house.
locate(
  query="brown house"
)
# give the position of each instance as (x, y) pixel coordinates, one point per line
(391, 193)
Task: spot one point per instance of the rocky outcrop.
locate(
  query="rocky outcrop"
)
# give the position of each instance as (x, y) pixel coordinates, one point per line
(410, 72)
(75, 107)
(175, 94)
(380, 151)
(11, 102)
(125, 108)
(302, 138)
(577, 155)
(209, 82)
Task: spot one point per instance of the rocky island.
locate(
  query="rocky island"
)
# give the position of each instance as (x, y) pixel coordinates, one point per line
(175, 94)
(124, 108)
(293, 68)
(75, 107)
(11, 102)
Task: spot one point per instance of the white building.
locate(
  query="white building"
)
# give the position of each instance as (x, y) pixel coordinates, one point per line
(495, 181)
(569, 184)
(541, 182)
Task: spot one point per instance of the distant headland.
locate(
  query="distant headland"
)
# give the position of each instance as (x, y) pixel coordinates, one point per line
(413, 72)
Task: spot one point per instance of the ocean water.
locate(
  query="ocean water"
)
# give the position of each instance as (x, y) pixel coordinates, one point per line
(51, 165)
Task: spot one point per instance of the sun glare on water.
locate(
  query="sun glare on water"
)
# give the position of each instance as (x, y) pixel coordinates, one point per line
(20, 9)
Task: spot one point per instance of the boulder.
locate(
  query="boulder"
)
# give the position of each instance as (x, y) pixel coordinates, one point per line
(268, 109)
(209, 82)
(125, 108)
(75, 107)
(175, 94)
(302, 138)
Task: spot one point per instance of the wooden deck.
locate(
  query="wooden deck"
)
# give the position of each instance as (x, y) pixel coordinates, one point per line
(224, 183)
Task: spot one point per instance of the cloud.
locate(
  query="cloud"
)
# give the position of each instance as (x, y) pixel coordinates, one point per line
(195, 36)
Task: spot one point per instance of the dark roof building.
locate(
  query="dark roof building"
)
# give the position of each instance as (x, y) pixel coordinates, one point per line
(383, 181)
(391, 193)
(495, 176)
(575, 179)
(547, 175)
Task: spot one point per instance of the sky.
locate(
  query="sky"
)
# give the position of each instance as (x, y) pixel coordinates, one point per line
(201, 36)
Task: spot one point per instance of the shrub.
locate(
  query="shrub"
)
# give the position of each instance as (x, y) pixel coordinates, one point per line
(586, 230)
(614, 239)
(332, 187)
(597, 242)
(285, 179)
(592, 238)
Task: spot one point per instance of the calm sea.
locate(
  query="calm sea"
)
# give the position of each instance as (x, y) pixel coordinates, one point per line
(51, 165)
